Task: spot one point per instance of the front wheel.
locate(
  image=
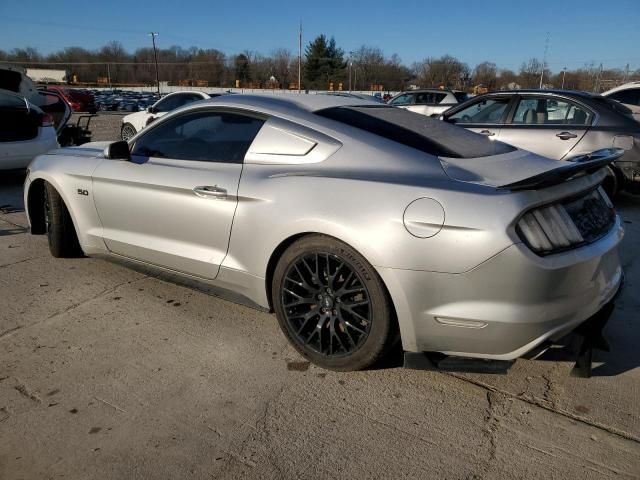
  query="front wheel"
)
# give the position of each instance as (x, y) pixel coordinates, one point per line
(61, 234)
(127, 132)
(331, 304)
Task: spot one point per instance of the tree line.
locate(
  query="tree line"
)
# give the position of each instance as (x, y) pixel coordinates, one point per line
(324, 65)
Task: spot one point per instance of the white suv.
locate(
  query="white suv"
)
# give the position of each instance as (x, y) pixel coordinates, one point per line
(134, 122)
(629, 95)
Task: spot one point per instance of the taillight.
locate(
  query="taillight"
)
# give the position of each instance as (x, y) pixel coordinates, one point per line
(46, 120)
(561, 226)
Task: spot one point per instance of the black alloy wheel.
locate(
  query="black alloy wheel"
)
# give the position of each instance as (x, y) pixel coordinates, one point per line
(326, 304)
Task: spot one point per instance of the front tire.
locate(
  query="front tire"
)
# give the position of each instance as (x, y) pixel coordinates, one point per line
(127, 132)
(331, 304)
(61, 234)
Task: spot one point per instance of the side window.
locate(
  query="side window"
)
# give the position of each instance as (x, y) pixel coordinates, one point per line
(203, 136)
(424, 98)
(439, 97)
(166, 104)
(404, 99)
(549, 111)
(488, 110)
(630, 96)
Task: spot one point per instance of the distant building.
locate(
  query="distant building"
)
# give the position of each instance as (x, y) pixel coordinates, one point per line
(45, 75)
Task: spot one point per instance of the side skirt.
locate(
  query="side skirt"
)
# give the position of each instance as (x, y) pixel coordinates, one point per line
(195, 283)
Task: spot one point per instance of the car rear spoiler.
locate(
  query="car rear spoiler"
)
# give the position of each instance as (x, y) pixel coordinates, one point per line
(586, 164)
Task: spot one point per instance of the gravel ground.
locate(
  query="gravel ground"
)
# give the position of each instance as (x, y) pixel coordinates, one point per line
(104, 126)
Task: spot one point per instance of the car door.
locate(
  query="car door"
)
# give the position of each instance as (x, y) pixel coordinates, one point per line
(484, 115)
(547, 125)
(173, 204)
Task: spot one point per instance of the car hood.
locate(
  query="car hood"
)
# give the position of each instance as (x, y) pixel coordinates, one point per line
(520, 169)
(91, 149)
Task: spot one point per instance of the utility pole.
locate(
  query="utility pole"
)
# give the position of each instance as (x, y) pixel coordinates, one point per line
(300, 57)
(544, 59)
(350, 65)
(564, 72)
(109, 75)
(155, 57)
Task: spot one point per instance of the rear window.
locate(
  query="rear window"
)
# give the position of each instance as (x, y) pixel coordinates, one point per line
(10, 80)
(417, 131)
(612, 105)
(12, 102)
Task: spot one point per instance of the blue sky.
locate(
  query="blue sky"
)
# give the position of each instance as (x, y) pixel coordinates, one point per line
(505, 32)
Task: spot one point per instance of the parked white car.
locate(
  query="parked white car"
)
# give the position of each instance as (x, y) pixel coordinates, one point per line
(629, 95)
(428, 102)
(134, 122)
(25, 131)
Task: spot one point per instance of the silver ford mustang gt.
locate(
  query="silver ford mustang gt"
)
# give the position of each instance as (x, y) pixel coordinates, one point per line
(357, 223)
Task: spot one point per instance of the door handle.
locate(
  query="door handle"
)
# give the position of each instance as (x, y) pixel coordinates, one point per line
(487, 133)
(566, 135)
(210, 191)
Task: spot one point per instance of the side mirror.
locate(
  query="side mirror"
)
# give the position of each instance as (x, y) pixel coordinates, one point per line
(118, 151)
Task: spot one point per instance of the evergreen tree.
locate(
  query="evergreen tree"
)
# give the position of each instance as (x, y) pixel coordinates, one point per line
(324, 63)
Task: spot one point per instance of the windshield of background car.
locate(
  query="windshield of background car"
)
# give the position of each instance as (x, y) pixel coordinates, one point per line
(614, 105)
(404, 99)
(417, 131)
(489, 110)
(630, 96)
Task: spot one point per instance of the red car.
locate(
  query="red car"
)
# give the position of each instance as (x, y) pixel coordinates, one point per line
(80, 100)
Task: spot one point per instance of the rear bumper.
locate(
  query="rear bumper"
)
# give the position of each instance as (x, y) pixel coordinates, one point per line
(508, 305)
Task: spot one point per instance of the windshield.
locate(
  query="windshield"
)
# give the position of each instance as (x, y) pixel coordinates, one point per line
(417, 131)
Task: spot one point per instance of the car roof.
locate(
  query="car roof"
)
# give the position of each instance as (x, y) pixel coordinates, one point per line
(303, 102)
(553, 91)
(624, 86)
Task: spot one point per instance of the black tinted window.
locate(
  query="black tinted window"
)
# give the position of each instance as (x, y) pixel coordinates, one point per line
(417, 131)
(175, 101)
(203, 136)
(630, 96)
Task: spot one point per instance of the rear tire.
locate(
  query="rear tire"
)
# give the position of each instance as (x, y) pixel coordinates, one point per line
(332, 306)
(61, 234)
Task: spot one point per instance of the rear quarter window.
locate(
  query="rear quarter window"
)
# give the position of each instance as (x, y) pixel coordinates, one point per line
(423, 133)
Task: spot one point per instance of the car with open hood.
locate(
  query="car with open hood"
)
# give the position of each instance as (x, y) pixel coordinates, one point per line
(358, 224)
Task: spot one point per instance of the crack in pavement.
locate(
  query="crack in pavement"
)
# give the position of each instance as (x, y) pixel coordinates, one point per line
(11, 331)
(22, 261)
(83, 302)
(8, 334)
(543, 404)
(22, 389)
